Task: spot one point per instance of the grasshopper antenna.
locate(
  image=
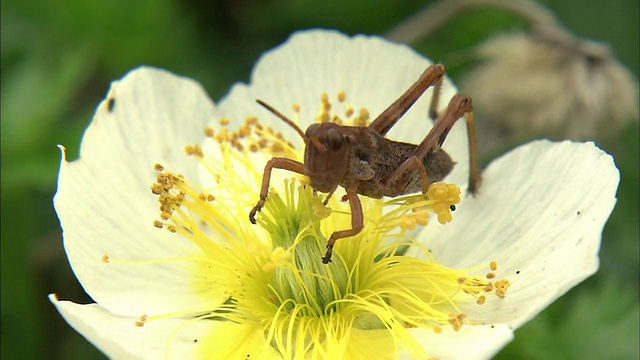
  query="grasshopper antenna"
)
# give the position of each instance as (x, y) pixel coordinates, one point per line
(285, 119)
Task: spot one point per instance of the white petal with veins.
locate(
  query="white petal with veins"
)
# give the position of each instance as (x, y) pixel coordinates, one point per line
(104, 200)
(539, 214)
(470, 342)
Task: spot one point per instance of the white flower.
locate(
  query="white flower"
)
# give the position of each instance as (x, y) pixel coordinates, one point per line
(216, 286)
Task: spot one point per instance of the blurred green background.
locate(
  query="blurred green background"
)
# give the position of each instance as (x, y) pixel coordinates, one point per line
(58, 58)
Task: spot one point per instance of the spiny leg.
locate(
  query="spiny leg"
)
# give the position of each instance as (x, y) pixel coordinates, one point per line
(386, 120)
(395, 179)
(357, 223)
(277, 163)
(458, 106)
(435, 99)
(474, 170)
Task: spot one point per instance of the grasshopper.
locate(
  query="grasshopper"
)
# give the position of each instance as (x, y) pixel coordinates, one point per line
(364, 162)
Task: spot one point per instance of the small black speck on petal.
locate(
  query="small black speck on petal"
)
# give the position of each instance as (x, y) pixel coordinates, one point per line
(111, 104)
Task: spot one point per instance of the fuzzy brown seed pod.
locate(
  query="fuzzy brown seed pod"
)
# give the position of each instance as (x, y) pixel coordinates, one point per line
(549, 83)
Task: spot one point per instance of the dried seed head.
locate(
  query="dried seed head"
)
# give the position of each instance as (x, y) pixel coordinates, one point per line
(549, 83)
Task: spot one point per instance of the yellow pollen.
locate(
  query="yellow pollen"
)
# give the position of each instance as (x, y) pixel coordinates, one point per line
(443, 195)
(198, 151)
(209, 132)
(408, 222)
(105, 258)
(193, 150)
(156, 189)
(493, 266)
(323, 116)
(158, 224)
(222, 136)
(491, 275)
(501, 287)
(140, 322)
(364, 114)
(481, 299)
(349, 112)
(415, 209)
(277, 148)
(324, 113)
(158, 167)
(296, 107)
(224, 121)
(456, 321)
(244, 131)
(422, 217)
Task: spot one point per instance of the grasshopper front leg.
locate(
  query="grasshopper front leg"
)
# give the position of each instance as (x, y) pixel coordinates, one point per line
(357, 224)
(277, 163)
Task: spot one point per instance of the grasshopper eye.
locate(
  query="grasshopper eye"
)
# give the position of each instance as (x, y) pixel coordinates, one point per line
(311, 129)
(335, 139)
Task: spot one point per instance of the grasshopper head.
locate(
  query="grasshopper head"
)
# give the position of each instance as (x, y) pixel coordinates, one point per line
(326, 156)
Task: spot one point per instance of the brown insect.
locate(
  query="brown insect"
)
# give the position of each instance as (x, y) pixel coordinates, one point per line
(363, 161)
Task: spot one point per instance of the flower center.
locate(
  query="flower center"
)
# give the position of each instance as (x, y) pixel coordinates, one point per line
(271, 276)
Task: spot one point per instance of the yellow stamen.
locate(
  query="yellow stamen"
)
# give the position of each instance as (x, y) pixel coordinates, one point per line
(269, 279)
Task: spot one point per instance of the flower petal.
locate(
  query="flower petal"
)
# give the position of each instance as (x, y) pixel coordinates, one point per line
(470, 342)
(373, 73)
(104, 200)
(539, 215)
(119, 338)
